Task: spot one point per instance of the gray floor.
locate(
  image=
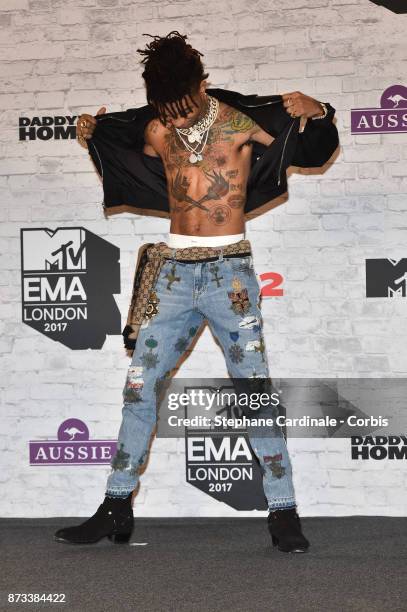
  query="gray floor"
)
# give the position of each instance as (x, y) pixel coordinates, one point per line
(355, 564)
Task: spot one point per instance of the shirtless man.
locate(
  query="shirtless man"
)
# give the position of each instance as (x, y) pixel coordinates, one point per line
(207, 193)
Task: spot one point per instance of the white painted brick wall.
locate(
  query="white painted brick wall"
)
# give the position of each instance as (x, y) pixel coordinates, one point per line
(75, 57)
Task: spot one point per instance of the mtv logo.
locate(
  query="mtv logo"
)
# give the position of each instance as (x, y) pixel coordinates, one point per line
(386, 277)
(395, 6)
(60, 250)
(401, 292)
(68, 278)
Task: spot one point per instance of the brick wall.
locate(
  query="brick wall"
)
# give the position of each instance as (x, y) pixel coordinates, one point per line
(67, 58)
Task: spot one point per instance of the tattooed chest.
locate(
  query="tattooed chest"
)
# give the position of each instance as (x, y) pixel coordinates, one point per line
(215, 185)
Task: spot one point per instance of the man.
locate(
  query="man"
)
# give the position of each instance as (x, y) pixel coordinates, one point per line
(194, 153)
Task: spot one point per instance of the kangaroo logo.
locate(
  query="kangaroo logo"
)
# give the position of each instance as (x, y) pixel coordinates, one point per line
(72, 432)
(397, 99)
(389, 118)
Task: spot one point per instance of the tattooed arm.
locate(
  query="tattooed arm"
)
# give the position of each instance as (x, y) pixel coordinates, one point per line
(151, 135)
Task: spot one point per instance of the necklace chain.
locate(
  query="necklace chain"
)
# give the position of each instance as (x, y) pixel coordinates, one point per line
(199, 131)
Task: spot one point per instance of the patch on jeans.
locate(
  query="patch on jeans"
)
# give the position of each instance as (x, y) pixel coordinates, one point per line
(121, 459)
(239, 297)
(135, 467)
(250, 322)
(150, 359)
(182, 343)
(257, 346)
(234, 335)
(253, 345)
(152, 306)
(159, 382)
(244, 266)
(170, 276)
(214, 269)
(273, 462)
(134, 384)
(236, 353)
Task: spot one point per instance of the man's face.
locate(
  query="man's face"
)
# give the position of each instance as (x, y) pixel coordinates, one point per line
(186, 111)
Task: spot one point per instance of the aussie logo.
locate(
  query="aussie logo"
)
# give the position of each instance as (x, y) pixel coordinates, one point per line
(389, 118)
(69, 276)
(59, 127)
(72, 446)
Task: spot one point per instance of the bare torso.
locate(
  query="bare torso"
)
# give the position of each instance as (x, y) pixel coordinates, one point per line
(207, 198)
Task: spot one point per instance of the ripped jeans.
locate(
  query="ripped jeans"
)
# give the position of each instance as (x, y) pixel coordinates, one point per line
(226, 293)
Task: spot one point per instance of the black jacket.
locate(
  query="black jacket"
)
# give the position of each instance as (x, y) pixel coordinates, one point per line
(136, 180)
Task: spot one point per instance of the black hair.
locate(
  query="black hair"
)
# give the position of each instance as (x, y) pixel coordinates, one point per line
(173, 70)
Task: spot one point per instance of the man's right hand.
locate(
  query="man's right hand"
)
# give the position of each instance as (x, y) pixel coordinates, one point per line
(85, 126)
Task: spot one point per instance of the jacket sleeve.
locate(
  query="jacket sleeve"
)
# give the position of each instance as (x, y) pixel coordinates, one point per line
(129, 176)
(317, 143)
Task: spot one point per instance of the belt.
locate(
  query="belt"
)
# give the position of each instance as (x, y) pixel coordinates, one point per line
(151, 257)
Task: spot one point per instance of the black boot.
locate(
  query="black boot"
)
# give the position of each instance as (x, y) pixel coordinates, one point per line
(114, 519)
(285, 529)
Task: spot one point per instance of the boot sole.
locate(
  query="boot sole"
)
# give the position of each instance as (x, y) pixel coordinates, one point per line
(116, 538)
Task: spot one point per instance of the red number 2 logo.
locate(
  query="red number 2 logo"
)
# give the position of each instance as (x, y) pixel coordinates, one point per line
(271, 289)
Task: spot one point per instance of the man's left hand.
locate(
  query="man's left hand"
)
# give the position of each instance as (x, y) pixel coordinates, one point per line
(298, 104)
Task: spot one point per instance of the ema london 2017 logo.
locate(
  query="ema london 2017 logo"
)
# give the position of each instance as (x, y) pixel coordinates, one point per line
(69, 276)
(390, 118)
(72, 447)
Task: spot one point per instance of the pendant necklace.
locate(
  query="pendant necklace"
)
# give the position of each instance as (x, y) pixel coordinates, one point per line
(199, 132)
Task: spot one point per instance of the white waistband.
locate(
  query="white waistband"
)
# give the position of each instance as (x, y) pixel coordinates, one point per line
(180, 241)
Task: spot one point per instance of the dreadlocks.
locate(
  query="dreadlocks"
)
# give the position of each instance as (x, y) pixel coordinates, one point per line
(173, 70)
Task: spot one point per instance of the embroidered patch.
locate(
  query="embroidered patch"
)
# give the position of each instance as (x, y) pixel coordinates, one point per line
(214, 269)
(236, 353)
(239, 297)
(244, 266)
(250, 322)
(121, 459)
(152, 305)
(253, 345)
(135, 467)
(234, 336)
(273, 462)
(134, 384)
(170, 276)
(150, 359)
(182, 343)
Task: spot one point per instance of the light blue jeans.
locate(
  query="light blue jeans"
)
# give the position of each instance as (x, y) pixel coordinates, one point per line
(226, 293)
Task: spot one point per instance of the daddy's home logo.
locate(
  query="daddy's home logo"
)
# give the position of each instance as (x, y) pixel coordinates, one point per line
(386, 278)
(390, 118)
(69, 276)
(59, 127)
(72, 447)
(379, 447)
